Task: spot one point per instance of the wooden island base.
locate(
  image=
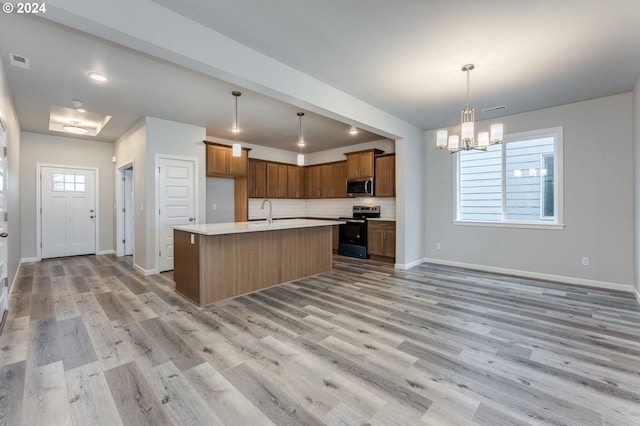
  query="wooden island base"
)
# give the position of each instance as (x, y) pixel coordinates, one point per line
(208, 268)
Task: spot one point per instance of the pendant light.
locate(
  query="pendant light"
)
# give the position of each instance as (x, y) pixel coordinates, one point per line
(236, 148)
(466, 140)
(300, 141)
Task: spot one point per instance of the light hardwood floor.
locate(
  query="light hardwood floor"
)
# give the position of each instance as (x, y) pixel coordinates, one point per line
(88, 341)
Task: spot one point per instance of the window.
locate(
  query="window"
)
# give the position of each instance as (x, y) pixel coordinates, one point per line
(516, 183)
(68, 183)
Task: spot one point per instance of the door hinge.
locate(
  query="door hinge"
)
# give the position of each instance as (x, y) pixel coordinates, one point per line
(122, 241)
(40, 211)
(158, 170)
(123, 210)
(123, 179)
(6, 216)
(159, 214)
(159, 253)
(4, 151)
(40, 244)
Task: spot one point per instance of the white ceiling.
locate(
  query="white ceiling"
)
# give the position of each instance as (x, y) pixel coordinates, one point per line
(403, 57)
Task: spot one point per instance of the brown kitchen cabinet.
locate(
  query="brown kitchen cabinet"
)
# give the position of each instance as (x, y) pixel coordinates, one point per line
(276, 180)
(295, 182)
(312, 179)
(221, 162)
(335, 238)
(381, 237)
(360, 164)
(257, 179)
(385, 175)
(333, 180)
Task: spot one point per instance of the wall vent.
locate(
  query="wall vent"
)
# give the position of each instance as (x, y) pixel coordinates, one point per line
(19, 61)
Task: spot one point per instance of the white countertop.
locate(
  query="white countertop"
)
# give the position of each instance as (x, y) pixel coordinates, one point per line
(255, 226)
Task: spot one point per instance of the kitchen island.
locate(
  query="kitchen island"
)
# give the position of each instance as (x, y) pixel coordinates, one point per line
(217, 261)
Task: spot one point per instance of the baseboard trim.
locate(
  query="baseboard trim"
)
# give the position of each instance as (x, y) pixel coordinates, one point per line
(28, 260)
(106, 252)
(409, 265)
(143, 271)
(627, 288)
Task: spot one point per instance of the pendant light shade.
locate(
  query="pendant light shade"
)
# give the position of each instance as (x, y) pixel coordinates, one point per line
(300, 141)
(236, 148)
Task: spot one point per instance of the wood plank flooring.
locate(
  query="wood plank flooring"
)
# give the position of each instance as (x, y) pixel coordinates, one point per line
(89, 342)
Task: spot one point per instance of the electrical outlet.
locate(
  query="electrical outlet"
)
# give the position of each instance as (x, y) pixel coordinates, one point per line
(437, 246)
(585, 261)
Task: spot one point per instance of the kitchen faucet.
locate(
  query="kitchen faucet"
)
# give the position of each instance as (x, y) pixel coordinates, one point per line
(270, 217)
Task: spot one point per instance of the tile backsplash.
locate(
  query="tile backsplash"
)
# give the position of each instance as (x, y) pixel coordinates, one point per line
(329, 208)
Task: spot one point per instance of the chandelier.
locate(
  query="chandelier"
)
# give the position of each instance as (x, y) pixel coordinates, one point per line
(467, 141)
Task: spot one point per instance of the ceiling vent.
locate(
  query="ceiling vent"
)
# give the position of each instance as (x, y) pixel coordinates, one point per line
(495, 108)
(19, 61)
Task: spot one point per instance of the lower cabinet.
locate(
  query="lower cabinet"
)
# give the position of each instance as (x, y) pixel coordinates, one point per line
(335, 234)
(381, 236)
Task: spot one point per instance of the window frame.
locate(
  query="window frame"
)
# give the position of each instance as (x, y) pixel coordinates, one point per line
(558, 196)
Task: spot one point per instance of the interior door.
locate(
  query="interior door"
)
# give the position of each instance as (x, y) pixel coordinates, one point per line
(176, 200)
(68, 211)
(4, 281)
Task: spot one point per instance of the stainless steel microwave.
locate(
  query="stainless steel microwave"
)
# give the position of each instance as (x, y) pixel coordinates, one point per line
(362, 187)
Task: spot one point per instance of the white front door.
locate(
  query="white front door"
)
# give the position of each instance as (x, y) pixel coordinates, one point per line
(68, 211)
(4, 281)
(176, 202)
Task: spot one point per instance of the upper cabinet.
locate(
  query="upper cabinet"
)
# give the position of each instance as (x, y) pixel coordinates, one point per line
(333, 180)
(221, 162)
(257, 179)
(385, 181)
(295, 181)
(361, 164)
(312, 182)
(277, 180)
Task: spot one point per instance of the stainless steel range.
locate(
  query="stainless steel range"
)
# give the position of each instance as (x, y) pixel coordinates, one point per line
(353, 234)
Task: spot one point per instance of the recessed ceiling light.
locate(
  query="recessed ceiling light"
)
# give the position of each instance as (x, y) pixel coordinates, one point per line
(98, 76)
(353, 131)
(75, 127)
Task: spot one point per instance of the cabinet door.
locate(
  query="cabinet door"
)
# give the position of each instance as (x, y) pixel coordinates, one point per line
(295, 182)
(217, 160)
(326, 181)
(385, 182)
(276, 180)
(353, 166)
(257, 179)
(312, 177)
(360, 165)
(381, 238)
(375, 239)
(340, 180)
(238, 165)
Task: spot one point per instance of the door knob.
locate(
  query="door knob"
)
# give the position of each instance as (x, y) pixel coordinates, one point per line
(91, 217)
(4, 234)
(191, 219)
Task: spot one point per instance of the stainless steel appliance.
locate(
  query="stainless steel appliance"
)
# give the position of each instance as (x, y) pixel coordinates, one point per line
(353, 233)
(361, 187)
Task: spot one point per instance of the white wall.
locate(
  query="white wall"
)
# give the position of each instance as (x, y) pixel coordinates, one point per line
(598, 202)
(63, 151)
(132, 148)
(175, 139)
(8, 115)
(220, 193)
(636, 146)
